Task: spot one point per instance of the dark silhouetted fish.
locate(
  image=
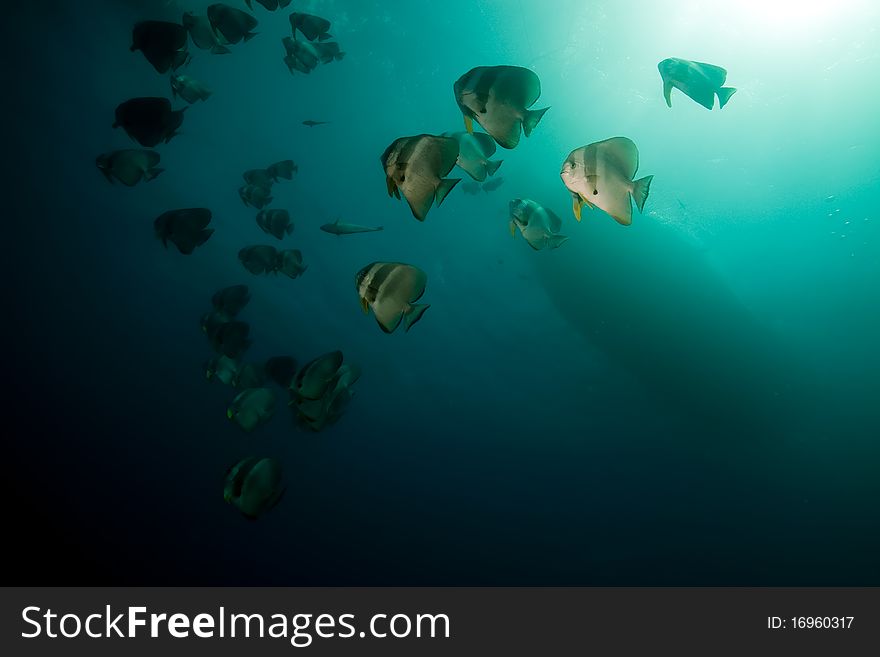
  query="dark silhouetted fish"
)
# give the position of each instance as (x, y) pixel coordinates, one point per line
(222, 368)
(231, 339)
(255, 196)
(391, 289)
(601, 175)
(471, 188)
(312, 124)
(202, 34)
(163, 44)
(252, 407)
(301, 56)
(275, 222)
(304, 56)
(211, 321)
(329, 52)
(700, 82)
(186, 228)
(230, 300)
(253, 486)
(129, 166)
(313, 28)
(233, 25)
(281, 369)
(340, 228)
(318, 414)
(250, 375)
(148, 121)
(538, 225)
(416, 166)
(474, 151)
(271, 5)
(259, 259)
(189, 89)
(498, 97)
(259, 177)
(290, 263)
(316, 376)
(283, 169)
(492, 185)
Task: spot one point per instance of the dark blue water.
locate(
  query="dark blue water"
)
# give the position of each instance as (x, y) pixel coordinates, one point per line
(689, 400)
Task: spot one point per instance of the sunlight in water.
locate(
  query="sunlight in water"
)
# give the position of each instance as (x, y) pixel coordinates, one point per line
(789, 17)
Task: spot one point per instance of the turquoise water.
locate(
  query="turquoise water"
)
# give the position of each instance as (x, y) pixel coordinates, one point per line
(692, 399)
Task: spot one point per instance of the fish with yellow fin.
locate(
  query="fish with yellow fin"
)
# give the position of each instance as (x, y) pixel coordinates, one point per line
(498, 98)
(600, 175)
(417, 166)
(391, 289)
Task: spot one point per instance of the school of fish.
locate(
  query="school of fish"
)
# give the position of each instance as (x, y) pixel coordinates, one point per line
(418, 168)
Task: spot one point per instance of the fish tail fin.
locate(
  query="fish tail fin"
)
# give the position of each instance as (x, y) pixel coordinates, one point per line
(531, 120)
(667, 92)
(204, 235)
(149, 174)
(220, 50)
(339, 56)
(444, 188)
(414, 314)
(378, 228)
(555, 241)
(492, 166)
(724, 94)
(641, 187)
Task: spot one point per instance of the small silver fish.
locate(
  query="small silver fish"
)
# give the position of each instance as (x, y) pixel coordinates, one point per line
(340, 228)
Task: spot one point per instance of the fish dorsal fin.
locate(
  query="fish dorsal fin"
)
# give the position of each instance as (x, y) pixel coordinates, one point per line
(485, 143)
(700, 92)
(448, 153)
(623, 151)
(554, 221)
(715, 74)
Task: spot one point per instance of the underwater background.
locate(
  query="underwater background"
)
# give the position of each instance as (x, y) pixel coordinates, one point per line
(690, 400)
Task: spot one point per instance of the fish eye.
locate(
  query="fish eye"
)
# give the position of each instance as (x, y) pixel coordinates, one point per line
(595, 192)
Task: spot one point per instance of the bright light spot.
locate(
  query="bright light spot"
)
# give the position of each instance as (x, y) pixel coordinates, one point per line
(788, 16)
